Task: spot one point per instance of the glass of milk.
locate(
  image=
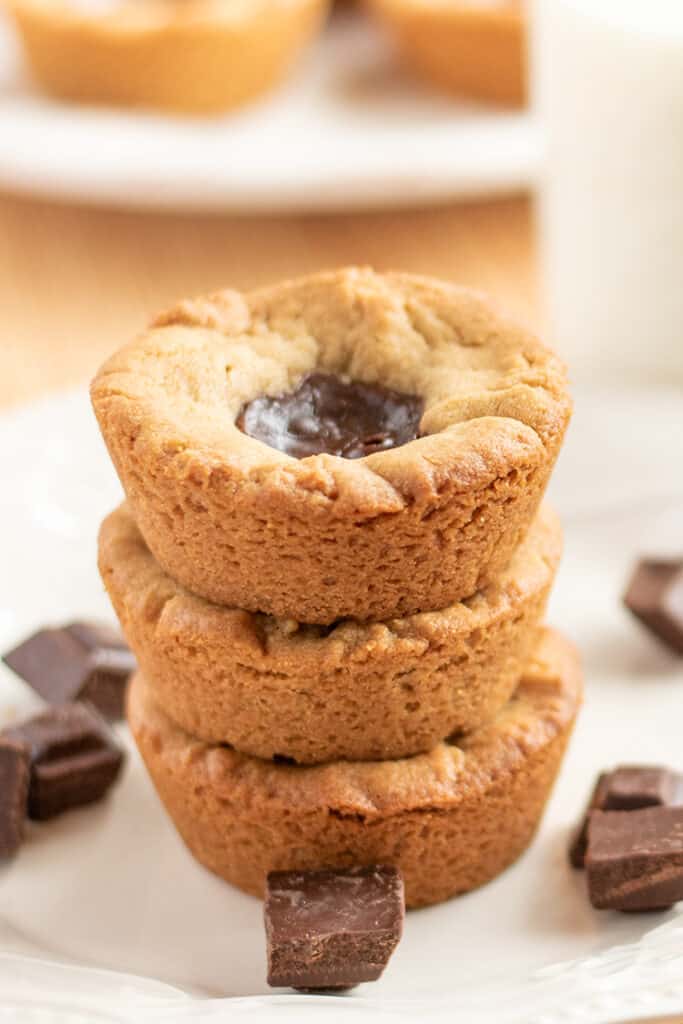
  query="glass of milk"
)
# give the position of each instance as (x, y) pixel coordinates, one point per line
(608, 86)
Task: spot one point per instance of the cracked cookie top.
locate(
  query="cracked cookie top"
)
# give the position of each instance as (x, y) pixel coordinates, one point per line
(487, 387)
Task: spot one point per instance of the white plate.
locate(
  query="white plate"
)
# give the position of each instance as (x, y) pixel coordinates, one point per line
(347, 130)
(112, 886)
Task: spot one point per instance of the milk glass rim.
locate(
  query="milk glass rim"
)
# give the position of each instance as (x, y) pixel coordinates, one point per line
(659, 18)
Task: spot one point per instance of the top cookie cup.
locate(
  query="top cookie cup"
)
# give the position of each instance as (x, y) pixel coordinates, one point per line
(412, 528)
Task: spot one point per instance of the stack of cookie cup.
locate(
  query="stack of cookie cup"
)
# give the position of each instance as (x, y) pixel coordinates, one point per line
(342, 660)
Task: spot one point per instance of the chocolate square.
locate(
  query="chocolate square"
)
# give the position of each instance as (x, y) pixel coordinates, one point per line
(627, 788)
(83, 660)
(332, 929)
(655, 596)
(73, 755)
(14, 782)
(632, 787)
(635, 859)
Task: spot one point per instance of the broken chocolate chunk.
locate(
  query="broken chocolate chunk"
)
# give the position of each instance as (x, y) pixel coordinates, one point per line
(327, 413)
(655, 596)
(627, 788)
(14, 781)
(632, 787)
(73, 755)
(635, 859)
(332, 929)
(81, 661)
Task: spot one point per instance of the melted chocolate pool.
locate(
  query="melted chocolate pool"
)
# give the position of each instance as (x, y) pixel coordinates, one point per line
(329, 414)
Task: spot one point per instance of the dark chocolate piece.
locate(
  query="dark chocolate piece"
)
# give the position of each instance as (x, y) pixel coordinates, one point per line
(655, 596)
(627, 788)
(635, 859)
(74, 758)
(332, 929)
(14, 780)
(632, 787)
(81, 661)
(327, 413)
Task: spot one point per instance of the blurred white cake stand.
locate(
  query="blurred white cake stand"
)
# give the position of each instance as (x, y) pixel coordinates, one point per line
(348, 130)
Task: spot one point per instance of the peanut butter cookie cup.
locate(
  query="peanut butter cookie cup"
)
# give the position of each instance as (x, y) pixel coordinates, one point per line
(349, 444)
(471, 48)
(356, 691)
(450, 819)
(194, 56)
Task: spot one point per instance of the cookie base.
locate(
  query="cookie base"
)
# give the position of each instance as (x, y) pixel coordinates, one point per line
(451, 820)
(381, 690)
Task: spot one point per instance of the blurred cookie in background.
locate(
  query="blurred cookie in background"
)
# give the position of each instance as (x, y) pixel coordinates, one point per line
(183, 56)
(467, 48)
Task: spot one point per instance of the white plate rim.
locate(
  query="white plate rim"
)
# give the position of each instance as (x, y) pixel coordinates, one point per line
(309, 148)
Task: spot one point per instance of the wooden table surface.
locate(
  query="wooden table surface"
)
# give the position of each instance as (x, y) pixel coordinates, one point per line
(76, 283)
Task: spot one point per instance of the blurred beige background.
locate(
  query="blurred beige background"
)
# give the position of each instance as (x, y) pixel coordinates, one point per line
(77, 283)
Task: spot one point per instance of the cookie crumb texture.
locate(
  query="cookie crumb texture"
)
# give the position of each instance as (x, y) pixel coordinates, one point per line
(355, 691)
(449, 820)
(410, 529)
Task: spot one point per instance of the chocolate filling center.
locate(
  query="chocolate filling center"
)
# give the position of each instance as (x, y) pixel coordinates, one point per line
(328, 414)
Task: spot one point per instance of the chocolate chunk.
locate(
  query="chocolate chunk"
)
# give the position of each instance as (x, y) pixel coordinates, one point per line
(633, 787)
(73, 755)
(14, 780)
(327, 413)
(81, 661)
(655, 596)
(635, 859)
(627, 788)
(332, 929)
